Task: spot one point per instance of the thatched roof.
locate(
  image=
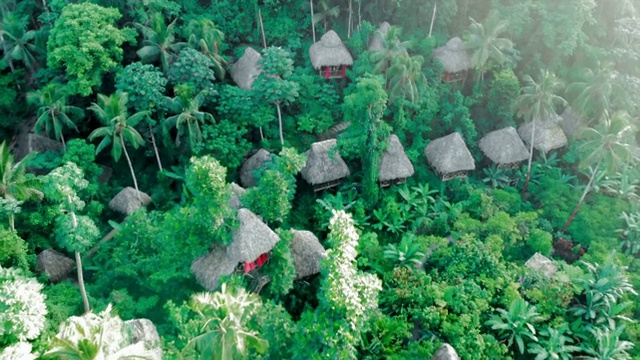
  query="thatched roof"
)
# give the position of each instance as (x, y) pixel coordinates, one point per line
(504, 146)
(143, 330)
(324, 163)
(252, 238)
(26, 143)
(237, 192)
(246, 69)
(307, 252)
(446, 352)
(55, 265)
(453, 56)
(210, 267)
(549, 136)
(394, 163)
(449, 154)
(253, 163)
(376, 41)
(571, 123)
(127, 201)
(329, 51)
(542, 263)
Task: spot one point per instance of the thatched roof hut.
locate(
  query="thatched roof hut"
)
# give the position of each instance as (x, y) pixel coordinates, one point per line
(210, 267)
(395, 166)
(255, 162)
(247, 68)
(329, 51)
(236, 194)
(543, 264)
(252, 238)
(376, 40)
(449, 156)
(324, 168)
(307, 252)
(504, 147)
(127, 201)
(446, 352)
(454, 59)
(55, 265)
(549, 136)
(571, 123)
(143, 330)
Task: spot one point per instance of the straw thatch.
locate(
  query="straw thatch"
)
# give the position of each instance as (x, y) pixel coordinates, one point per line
(210, 267)
(55, 265)
(329, 51)
(127, 201)
(549, 136)
(542, 263)
(246, 69)
(334, 131)
(307, 252)
(453, 56)
(394, 165)
(324, 164)
(571, 123)
(376, 40)
(253, 163)
(449, 156)
(504, 147)
(446, 352)
(143, 330)
(252, 238)
(237, 192)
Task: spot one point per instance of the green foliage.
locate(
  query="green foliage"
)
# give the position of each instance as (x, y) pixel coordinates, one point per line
(280, 267)
(517, 324)
(407, 253)
(226, 141)
(275, 325)
(193, 68)
(504, 88)
(540, 241)
(13, 250)
(76, 235)
(83, 155)
(86, 43)
(144, 84)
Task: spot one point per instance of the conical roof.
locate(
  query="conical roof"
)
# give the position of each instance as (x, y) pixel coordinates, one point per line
(329, 51)
(247, 68)
(394, 163)
(449, 154)
(504, 146)
(324, 163)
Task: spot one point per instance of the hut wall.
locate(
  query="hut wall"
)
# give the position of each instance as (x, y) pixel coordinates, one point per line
(251, 265)
(453, 77)
(333, 72)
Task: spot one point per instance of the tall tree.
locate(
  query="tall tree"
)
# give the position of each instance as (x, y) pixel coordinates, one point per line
(391, 48)
(17, 42)
(485, 43)
(207, 37)
(593, 97)
(609, 147)
(159, 42)
(325, 12)
(53, 111)
(272, 84)
(405, 78)
(538, 102)
(118, 129)
(14, 185)
(189, 117)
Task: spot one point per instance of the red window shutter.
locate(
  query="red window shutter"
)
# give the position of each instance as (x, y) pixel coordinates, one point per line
(327, 72)
(247, 267)
(344, 71)
(261, 259)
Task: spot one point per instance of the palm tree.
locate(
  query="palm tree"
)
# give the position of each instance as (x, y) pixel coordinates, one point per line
(405, 77)
(391, 48)
(485, 43)
(609, 148)
(206, 37)
(159, 43)
(53, 111)
(592, 97)
(17, 42)
(538, 102)
(517, 323)
(119, 127)
(14, 185)
(326, 12)
(189, 116)
(224, 315)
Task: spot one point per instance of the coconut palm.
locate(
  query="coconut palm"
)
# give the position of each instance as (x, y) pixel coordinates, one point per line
(537, 102)
(326, 11)
(485, 43)
(119, 127)
(609, 148)
(14, 185)
(593, 96)
(189, 117)
(159, 42)
(517, 323)
(17, 42)
(391, 48)
(206, 37)
(405, 77)
(53, 111)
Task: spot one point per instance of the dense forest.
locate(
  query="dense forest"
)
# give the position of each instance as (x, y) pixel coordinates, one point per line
(319, 179)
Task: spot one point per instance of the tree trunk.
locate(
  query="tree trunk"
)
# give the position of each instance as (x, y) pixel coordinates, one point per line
(264, 39)
(359, 15)
(533, 135)
(313, 25)
(64, 144)
(261, 134)
(155, 148)
(83, 291)
(433, 17)
(280, 123)
(349, 26)
(133, 174)
(584, 195)
(12, 222)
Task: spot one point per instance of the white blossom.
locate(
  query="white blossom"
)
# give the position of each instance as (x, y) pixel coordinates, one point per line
(23, 303)
(18, 351)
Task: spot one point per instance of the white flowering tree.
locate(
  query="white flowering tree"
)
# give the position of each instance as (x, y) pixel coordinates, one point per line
(76, 233)
(22, 314)
(348, 297)
(92, 336)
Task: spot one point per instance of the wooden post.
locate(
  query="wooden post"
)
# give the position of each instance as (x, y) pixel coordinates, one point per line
(264, 40)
